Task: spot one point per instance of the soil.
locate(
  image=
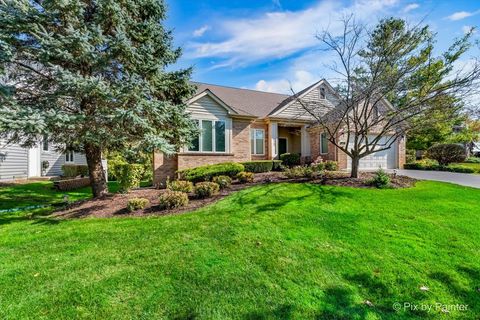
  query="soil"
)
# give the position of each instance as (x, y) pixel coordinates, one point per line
(114, 205)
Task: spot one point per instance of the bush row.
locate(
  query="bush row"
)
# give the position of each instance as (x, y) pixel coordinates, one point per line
(262, 165)
(423, 165)
(74, 170)
(206, 173)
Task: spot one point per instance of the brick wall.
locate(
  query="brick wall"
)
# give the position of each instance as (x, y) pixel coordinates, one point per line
(315, 147)
(402, 153)
(163, 167)
(71, 184)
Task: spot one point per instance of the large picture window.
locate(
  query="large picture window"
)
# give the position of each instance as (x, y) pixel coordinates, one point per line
(323, 143)
(257, 138)
(212, 137)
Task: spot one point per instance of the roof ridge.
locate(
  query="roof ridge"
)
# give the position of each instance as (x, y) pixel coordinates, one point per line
(230, 87)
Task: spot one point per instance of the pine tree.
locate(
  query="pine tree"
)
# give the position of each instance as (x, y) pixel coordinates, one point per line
(93, 75)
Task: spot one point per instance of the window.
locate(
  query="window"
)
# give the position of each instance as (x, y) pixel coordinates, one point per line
(257, 138)
(322, 93)
(323, 143)
(45, 143)
(69, 156)
(212, 137)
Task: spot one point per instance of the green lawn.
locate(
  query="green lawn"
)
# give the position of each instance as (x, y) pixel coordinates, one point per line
(279, 251)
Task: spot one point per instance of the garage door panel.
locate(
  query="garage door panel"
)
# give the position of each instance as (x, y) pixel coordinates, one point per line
(385, 159)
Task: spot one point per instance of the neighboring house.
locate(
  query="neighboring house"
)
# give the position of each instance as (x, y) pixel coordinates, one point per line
(242, 125)
(17, 162)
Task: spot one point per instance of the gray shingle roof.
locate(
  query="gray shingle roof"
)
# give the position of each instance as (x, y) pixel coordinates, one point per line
(245, 101)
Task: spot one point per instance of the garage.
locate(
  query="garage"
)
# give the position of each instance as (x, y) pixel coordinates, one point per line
(385, 159)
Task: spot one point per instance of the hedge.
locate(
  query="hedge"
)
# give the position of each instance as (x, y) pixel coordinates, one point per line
(128, 176)
(206, 173)
(262, 165)
(418, 165)
(290, 159)
(74, 170)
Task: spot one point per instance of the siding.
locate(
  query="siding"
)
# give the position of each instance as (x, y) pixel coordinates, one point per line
(13, 161)
(57, 160)
(296, 111)
(207, 108)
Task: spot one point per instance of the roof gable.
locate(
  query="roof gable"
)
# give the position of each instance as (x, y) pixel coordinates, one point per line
(212, 96)
(291, 108)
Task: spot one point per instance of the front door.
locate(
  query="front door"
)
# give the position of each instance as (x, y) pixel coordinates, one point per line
(282, 145)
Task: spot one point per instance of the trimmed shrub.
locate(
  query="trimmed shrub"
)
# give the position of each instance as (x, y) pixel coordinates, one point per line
(381, 179)
(447, 153)
(459, 169)
(299, 172)
(74, 170)
(290, 159)
(206, 189)
(258, 166)
(223, 181)
(245, 177)
(472, 160)
(331, 165)
(180, 185)
(410, 155)
(277, 165)
(137, 204)
(172, 199)
(128, 176)
(206, 173)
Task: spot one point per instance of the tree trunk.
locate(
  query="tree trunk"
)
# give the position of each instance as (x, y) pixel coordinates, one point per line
(95, 170)
(355, 164)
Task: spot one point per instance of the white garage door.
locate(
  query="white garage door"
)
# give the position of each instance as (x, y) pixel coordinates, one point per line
(385, 159)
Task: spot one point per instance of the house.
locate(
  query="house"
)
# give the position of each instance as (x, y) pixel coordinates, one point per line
(242, 125)
(17, 162)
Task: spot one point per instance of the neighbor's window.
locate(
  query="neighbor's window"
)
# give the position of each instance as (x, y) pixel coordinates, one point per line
(45, 143)
(212, 137)
(69, 156)
(257, 138)
(323, 143)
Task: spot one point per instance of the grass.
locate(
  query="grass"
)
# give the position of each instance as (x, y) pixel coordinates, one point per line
(288, 251)
(38, 193)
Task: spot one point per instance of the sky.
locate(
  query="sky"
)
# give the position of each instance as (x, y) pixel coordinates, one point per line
(270, 45)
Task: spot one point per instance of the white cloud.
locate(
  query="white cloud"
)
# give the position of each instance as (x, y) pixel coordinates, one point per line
(410, 7)
(277, 34)
(200, 31)
(277, 3)
(301, 80)
(462, 15)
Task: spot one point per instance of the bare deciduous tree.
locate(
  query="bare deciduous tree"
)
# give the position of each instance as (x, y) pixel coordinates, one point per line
(387, 76)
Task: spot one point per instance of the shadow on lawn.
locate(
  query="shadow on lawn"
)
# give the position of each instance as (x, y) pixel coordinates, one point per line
(273, 192)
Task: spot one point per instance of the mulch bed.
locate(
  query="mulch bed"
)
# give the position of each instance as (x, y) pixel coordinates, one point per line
(114, 205)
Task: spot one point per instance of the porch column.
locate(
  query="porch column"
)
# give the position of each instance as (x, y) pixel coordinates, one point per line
(305, 142)
(273, 130)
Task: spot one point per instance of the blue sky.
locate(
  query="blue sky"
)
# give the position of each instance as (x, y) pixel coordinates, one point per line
(269, 45)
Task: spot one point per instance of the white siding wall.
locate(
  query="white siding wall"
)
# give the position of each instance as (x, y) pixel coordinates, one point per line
(13, 161)
(57, 160)
(208, 109)
(296, 111)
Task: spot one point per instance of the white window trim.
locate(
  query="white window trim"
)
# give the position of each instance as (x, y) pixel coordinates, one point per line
(73, 157)
(286, 139)
(214, 142)
(255, 144)
(321, 146)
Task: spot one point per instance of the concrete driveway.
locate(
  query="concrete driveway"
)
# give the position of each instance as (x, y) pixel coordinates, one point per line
(464, 179)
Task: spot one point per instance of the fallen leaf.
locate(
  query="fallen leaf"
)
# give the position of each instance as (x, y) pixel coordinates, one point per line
(368, 303)
(424, 288)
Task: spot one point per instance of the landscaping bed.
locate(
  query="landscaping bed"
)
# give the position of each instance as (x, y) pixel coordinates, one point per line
(114, 205)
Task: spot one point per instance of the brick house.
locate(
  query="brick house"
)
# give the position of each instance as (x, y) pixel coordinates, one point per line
(242, 125)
